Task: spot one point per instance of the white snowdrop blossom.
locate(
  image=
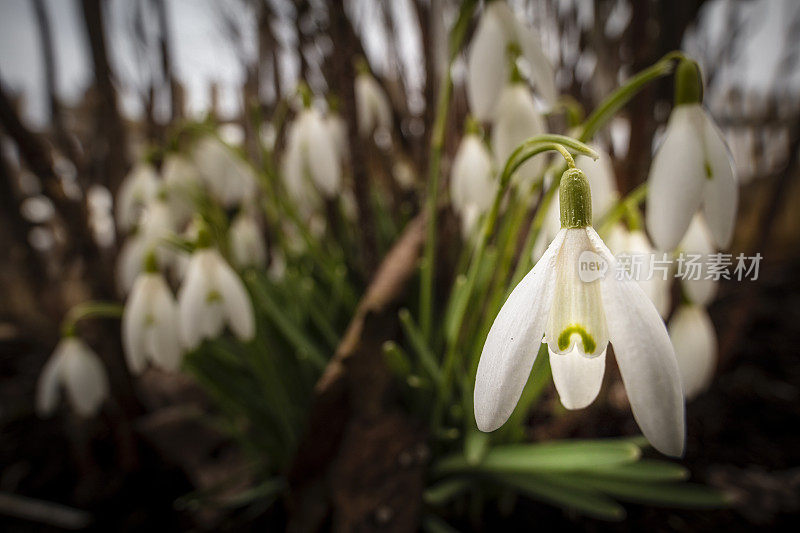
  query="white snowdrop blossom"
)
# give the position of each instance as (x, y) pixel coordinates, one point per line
(373, 111)
(337, 131)
(472, 187)
(156, 227)
(311, 163)
(150, 325)
(695, 343)
(578, 311)
(488, 64)
(697, 245)
(515, 121)
(212, 295)
(181, 185)
(643, 260)
(138, 188)
(78, 370)
(228, 177)
(247, 242)
(692, 169)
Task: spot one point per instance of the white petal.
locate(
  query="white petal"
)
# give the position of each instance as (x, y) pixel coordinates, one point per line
(513, 342)
(84, 379)
(647, 364)
(516, 120)
(236, 301)
(165, 349)
(576, 317)
(47, 388)
(129, 262)
(487, 69)
(192, 303)
(542, 73)
(695, 343)
(246, 242)
(698, 241)
(677, 178)
(577, 378)
(134, 324)
(322, 158)
(471, 181)
(722, 192)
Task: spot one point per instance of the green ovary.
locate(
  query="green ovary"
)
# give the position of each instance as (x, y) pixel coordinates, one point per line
(589, 343)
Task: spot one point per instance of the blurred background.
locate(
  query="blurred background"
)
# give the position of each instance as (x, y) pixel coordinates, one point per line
(89, 86)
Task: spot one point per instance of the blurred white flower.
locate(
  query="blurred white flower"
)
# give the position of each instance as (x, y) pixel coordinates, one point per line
(228, 177)
(311, 161)
(472, 187)
(488, 62)
(76, 368)
(698, 243)
(181, 184)
(150, 324)
(373, 111)
(211, 296)
(247, 242)
(138, 188)
(515, 121)
(156, 227)
(656, 284)
(691, 168)
(695, 343)
(337, 130)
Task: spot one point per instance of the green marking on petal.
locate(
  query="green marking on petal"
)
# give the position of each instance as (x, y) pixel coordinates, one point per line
(213, 296)
(589, 344)
(709, 171)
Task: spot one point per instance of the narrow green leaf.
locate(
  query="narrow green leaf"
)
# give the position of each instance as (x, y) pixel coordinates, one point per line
(564, 494)
(667, 494)
(642, 470)
(444, 491)
(396, 359)
(414, 334)
(476, 445)
(547, 457)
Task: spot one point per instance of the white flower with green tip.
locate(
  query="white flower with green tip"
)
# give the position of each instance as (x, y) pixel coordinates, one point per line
(76, 368)
(577, 318)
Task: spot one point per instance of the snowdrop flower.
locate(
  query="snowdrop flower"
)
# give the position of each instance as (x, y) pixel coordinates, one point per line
(691, 168)
(311, 161)
(337, 131)
(488, 68)
(698, 241)
(566, 299)
(76, 368)
(181, 184)
(137, 189)
(246, 241)
(373, 111)
(156, 227)
(636, 245)
(695, 343)
(515, 121)
(150, 323)
(211, 296)
(228, 177)
(472, 188)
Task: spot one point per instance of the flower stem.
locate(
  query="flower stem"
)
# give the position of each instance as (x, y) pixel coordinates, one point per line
(457, 35)
(90, 309)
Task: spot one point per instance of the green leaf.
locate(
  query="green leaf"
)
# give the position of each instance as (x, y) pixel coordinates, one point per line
(546, 457)
(476, 445)
(642, 470)
(667, 494)
(434, 524)
(563, 493)
(426, 358)
(444, 491)
(396, 359)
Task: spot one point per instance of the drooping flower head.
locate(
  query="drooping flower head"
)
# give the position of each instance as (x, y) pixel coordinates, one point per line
(78, 370)
(246, 241)
(692, 169)
(373, 112)
(212, 295)
(228, 177)
(472, 183)
(516, 120)
(136, 191)
(573, 300)
(695, 342)
(488, 67)
(150, 322)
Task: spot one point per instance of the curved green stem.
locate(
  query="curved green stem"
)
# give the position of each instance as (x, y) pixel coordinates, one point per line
(622, 208)
(457, 35)
(620, 97)
(90, 309)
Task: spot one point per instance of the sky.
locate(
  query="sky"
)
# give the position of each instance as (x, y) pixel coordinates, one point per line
(204, 54)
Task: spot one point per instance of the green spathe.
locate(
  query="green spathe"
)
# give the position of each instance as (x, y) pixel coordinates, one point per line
(576, 199)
